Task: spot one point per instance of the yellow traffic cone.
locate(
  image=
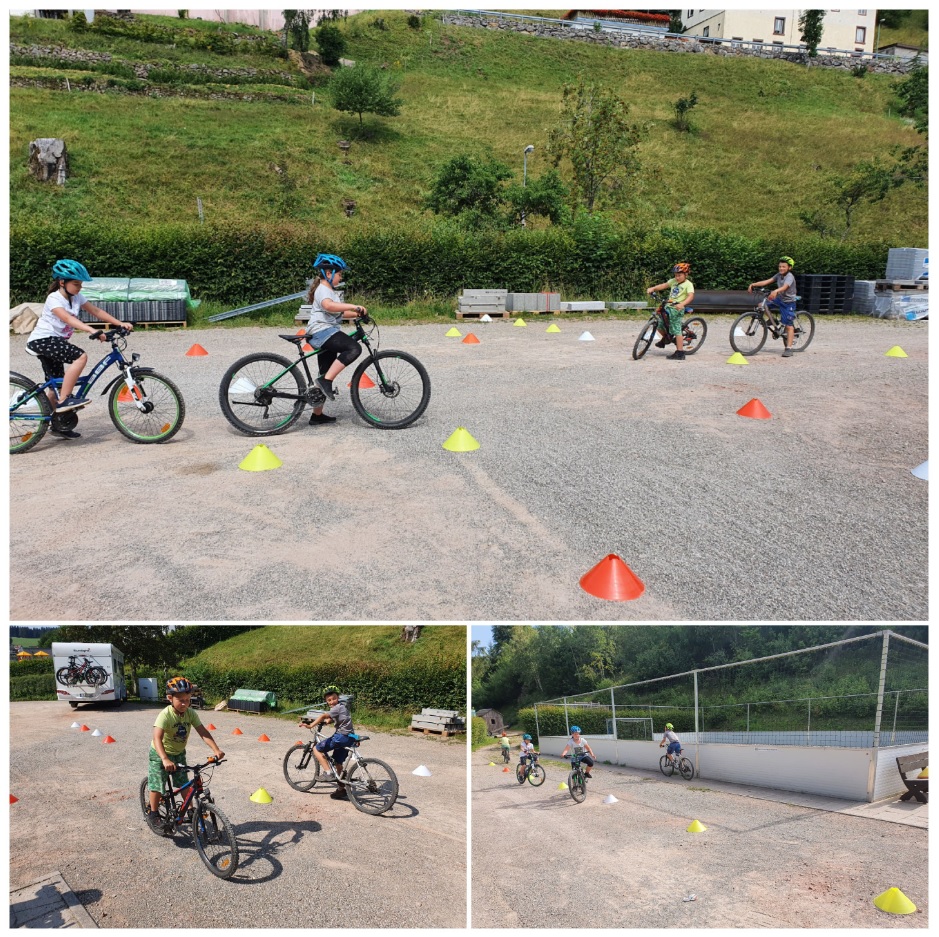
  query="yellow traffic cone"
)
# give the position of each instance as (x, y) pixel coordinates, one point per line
(491, 764)
(562, 786)
(737, 358)
(552, 328)
(893, 901)
(454, 333)
(260, 459)
(460, 441)
(521, 323)
(696, 827)
(896, 352)
(261, 796)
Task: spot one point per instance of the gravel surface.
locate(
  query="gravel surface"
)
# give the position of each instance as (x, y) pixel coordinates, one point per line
(812, 514)
(542, 860)
(306, 860)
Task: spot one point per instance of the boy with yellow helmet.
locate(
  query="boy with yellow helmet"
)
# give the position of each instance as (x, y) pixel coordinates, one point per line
(783, 298)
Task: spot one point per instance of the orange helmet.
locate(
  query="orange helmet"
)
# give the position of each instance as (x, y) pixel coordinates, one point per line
(178, 685)
(681, 267)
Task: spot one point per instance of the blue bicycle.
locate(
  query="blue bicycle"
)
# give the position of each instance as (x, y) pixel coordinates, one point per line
(145, 406)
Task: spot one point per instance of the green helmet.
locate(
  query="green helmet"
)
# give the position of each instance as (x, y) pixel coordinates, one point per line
(330, 690)
(787, 260)
(668, 725)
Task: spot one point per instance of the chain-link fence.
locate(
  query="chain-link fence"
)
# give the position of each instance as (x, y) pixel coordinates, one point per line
(875, 695)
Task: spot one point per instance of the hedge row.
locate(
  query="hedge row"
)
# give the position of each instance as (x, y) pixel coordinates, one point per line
(41, 665)
(35, 687)
(594, 721)
(591, 258)
(480, 734)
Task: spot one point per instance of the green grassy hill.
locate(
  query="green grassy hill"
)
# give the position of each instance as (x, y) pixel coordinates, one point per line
(767, 132)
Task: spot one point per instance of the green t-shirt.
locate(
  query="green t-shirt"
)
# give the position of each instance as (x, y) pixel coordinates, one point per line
(505, 742)
(175, 729)
(679, 292)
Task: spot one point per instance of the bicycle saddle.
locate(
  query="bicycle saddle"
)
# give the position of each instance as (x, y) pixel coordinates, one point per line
(298, 340)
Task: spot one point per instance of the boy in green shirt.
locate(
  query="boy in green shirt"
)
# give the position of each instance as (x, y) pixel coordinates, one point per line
(168, 747)
(681, 292)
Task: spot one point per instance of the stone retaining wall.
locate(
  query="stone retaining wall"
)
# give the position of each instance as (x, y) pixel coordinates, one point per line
(894, 66)
(162, 91)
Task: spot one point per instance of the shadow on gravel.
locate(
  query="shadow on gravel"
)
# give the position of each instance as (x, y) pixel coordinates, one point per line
(89, 896)
(258, 845)
(401, 811)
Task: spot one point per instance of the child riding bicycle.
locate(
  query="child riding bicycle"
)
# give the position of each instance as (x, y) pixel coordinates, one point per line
(168, 747)
(578, 746)
(504, 742)
(338, 743)
(336, 348)
(49, 340)
(674, 744)
(783, 299)
(681, 292)
(527, 750)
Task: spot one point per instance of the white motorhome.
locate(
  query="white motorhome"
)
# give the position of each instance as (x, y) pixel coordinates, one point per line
(89, 673)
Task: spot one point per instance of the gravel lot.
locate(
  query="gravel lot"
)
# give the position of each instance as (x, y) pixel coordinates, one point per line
(584, 452)
(542, 860)
(306, 860)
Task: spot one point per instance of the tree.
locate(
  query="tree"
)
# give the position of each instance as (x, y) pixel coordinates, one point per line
(913, 91)
(682, 107)
(331, 43)
(297, 26)
(467, 183)
(675, 25)
(597, 138)
(810, 22)
(546, 196)
(364, 89)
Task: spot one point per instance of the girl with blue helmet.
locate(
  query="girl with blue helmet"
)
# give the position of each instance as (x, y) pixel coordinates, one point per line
(337, 350)
(579, 745)
(50, 338)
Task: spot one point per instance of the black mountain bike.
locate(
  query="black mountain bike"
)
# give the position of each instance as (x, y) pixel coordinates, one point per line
(668, 764)
(577, 780)
(749, 332)
(264, 394)
(85, 672)
(693, 330)
(530, 771)
(212, 831)
(506, 755)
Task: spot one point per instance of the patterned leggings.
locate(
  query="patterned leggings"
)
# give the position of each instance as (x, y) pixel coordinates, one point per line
(54, 353)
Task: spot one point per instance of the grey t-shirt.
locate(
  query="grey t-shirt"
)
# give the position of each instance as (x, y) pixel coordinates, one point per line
(670, 735)
(320, 319)
(787, 284)
(340, 716)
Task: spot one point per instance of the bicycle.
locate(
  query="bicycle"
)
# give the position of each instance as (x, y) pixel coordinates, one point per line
(667, 765)
(85, 672)
(749, 331)
(530, 771)
(577, 780)
(144, 406)
(371, 784)
(693, 329)
(506, 756)
(263, 394)
(212, 832)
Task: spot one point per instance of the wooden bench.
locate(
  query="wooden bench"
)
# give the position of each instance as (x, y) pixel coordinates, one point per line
(915, 787)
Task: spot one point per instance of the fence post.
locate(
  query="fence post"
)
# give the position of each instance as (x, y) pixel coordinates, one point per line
(697, 769)
(537, 730)
(808, 725)
(896, 706)
(875, 750)
(615, 730)
(748, 722)
(567, 723)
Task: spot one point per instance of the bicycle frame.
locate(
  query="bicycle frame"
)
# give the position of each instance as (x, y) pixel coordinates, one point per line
(195, 787)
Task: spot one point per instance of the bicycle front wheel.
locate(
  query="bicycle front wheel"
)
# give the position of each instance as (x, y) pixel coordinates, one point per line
(686, 768)
(520, 772)
(804, 326)
(29, 418)
(577, 786)
(301, 769)
(163, 413)
(693, 332)
(666, 766)
(748, 333)
(248, 394)
(390, 389)
(97, 676)
(215, 839)
(63, 676)
(372, 786)
(537, 775)
(645, 338)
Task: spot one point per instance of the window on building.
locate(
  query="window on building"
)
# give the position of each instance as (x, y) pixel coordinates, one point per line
(860, 35)
(779, 26)
(862, 12)
(760, 41)
(737, 38)
(707, 31)
(690, 14)
(776, 42)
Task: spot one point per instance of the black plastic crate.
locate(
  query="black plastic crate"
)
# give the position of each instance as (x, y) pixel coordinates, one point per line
(148, 310)
(247, 705)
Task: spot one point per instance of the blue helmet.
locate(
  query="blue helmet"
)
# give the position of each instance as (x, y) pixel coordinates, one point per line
(326, 264)
(70, 270)
(527, 737)
(575, 729)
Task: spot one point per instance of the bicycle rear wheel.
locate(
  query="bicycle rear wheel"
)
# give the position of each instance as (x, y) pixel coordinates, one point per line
(506, 756)
(645, 338)
(693, 331)
(686, 768)
(537, 775)
(28, 420)
(390, 389)
(162, 812)
(372, 786)
(97, 676)
(520, 772)
(215, 839)
(666, 766)
(247, 391)
(804, 326)
(301, 768)
(577, 786)
(163, 414)
(748, 333)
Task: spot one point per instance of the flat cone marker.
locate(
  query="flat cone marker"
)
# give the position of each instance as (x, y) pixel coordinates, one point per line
(896, 352)
(263, 737)
(586, 337)
(454, 333)
(260, 459)
(211, 727)
(923, 774)
(300, 332)
(74, 725)
(14, 800)
(610, 799)
(922, 470)
(505, 770)
(552, 328)
(696, 827)
(422, 771)
(491, 764)
(893, 901)
(755, 410)
(470, 339)
(261, 796)
(521, 323)
(108, 740)
(96, 733)
(125, 396)
(737, 358)
(365, 383)
(307, 346)
(85, 728)
(460, 441)
(237, 732)
(563, 787)
(197, 351)
(613, 580)
(486, 318)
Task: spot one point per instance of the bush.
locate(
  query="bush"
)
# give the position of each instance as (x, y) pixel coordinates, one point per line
(480, 735)
(331, 43)
(78, 23)
(414, 21)
(40, 687)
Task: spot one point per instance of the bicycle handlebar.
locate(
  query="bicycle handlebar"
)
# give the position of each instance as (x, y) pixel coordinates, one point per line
(109, 334)
(212, 762)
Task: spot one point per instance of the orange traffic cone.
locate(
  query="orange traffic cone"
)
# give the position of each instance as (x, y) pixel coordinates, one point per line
(14, 800)
(85, 729)
(300, 332)
(470, 339)
(505, 770)
(211, 727)
(263, 738)
(237, 732)
(125, 396)
(365, 383)
(196, 351)
(755, 410)
(108, 740)
(613, 580)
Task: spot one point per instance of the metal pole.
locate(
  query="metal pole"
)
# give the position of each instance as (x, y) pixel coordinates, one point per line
(808, 728)
(537, 730)
(696, 766)
(896, 706)
(748, 718)
(528, 149)
(567, 724)
(875, 750)
(615, 730)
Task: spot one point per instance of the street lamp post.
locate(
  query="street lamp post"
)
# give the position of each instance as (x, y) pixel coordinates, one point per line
(528, 149)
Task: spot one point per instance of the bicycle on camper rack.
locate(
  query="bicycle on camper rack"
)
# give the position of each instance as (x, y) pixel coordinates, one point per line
(144, 406)
(530, 771)
(212, 831)
(668, 764)
(85, 672)
(371, 784)
(263, 394)
(749, 332)
(693, 330)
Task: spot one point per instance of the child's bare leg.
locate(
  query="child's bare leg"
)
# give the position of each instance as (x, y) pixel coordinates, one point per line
(72, 373)
(155, 799)
(334, 370)
(323, 760)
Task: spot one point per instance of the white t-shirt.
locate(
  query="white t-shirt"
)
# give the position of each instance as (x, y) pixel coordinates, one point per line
(49, 324)
(579, 748)
(527, 747)
(670, 736)
(320, 319)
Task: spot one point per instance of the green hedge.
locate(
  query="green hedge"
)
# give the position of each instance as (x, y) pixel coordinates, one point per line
(480, 735)
(590, 258)
(37, 687)
(42, 665)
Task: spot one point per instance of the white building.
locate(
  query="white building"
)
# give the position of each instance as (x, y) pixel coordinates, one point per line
(850, 30)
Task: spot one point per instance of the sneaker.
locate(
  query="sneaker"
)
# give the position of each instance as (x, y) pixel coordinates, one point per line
(787, 353)
(326, 387)
(662, 343)
(70, 403)
(155, 822)
(676, 356)
(316, 418)
(339, 794)
(65, 433)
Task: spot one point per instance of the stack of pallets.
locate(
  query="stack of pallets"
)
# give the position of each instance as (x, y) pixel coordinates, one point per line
(825, 292)
(443, 722)
(478, 303)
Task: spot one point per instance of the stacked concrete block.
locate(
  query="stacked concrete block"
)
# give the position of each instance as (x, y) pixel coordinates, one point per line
(628, 305)
(864, 297)
(533, 302)
(907, 263)
(588, 306)
(481, 302)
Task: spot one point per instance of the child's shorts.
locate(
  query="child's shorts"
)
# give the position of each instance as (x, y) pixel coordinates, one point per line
(54, 353)
(675, 315)
(156, 773)
(673, 748)
(787, 311)
(338, 744)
